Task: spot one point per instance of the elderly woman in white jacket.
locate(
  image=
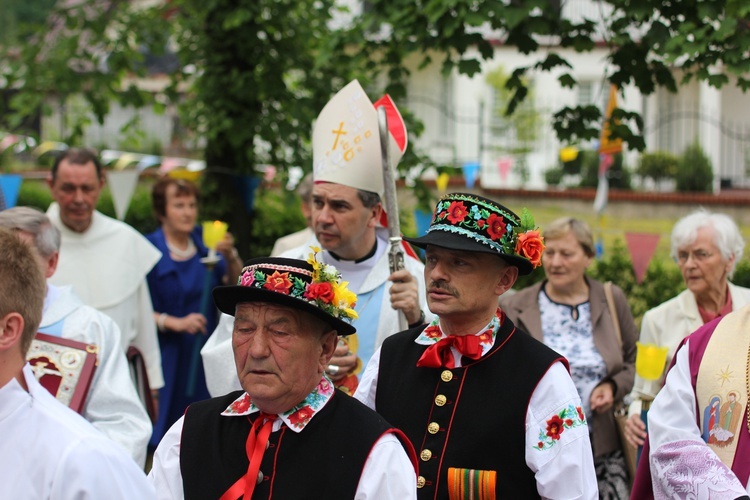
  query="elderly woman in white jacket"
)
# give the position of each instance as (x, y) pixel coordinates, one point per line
(706, 247)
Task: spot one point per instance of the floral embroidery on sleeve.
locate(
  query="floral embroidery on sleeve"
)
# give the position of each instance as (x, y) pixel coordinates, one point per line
(568, 418)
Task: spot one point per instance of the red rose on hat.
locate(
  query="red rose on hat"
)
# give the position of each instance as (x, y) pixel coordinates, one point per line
(496, 226)
(322, 291)
(457, 212)
(531, 245)
(278, 282)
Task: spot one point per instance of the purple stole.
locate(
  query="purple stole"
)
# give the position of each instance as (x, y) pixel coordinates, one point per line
(741, 466)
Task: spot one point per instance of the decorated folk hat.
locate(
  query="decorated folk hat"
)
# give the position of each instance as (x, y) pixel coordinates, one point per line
(476, 224)
(309, 286)
(346, 141)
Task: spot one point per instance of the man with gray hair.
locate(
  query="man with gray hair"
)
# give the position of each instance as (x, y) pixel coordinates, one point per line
(112, 404)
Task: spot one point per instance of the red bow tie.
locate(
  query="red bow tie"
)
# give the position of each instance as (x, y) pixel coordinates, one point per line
(439, 354)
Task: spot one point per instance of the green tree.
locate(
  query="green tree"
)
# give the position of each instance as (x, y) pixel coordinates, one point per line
(707, 40)
(266, 71)
(255, 73)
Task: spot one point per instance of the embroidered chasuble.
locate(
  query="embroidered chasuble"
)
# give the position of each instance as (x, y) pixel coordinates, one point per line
(721, 388)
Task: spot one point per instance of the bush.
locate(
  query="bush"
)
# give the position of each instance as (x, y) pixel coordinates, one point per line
(139, 215)
(277, 213)
(657, 166)
(741, 275)
(553, 176)
(34, 194)
(694, 171)
(617, 175)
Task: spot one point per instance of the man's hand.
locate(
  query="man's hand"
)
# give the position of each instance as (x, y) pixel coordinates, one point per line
(342, 363)
(602, 397)
(405, 295)
(635, 431)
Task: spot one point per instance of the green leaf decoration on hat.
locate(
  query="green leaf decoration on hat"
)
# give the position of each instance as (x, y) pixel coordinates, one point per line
(527, 221)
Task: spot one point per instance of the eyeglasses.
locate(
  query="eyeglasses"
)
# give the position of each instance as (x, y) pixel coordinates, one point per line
(698, 256)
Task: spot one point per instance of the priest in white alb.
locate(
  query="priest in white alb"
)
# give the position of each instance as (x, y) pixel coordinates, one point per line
(104, 259)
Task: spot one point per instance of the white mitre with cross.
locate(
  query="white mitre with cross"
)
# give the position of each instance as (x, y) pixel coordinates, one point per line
(346, 143)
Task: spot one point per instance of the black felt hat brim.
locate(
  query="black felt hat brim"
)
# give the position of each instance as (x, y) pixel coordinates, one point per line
(452, 241)
(227, 298)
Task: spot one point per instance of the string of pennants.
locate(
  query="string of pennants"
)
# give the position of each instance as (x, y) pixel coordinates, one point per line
(122, 170)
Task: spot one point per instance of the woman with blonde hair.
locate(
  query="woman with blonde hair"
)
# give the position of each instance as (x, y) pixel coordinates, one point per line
(569, 312)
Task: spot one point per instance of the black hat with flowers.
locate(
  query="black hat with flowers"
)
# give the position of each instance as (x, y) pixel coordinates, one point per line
(309, 286)
(472, 223)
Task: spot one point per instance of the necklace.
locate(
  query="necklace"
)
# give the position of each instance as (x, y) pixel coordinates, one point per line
(182, 254)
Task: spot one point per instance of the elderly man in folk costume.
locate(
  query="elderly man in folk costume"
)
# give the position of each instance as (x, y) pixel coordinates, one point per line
(112, 404)
(347, 218)
(105, 260)
(492, 412)
(288, 433)
(698, 443)
(47, 451)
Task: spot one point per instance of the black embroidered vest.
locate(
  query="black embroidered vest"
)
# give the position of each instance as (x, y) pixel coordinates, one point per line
(472, 417)
(325, 460)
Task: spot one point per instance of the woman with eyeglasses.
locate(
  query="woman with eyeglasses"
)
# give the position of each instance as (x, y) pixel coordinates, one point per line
(706, 247)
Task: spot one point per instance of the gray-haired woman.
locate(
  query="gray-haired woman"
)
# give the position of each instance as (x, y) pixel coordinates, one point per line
(706, 247)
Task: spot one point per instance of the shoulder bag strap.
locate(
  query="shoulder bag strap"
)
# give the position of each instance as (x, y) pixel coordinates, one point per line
(613, 310)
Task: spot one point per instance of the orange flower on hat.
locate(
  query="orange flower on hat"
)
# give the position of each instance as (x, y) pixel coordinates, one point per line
(457, 212)
(531, 246)
(278, 282)
(496, 226)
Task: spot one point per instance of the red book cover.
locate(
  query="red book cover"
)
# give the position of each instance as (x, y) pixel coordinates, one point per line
(64, 367)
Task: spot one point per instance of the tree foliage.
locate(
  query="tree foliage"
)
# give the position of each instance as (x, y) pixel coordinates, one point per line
(255, 73)
(90, 49)
(707, 39)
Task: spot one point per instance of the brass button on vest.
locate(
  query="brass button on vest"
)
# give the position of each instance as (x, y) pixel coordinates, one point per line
(425, 455)
(440, 400)
(420, 482)
(260, 478)
(446, 376)
(433, 428)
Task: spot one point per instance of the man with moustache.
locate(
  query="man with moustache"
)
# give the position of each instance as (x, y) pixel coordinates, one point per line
(492, 412)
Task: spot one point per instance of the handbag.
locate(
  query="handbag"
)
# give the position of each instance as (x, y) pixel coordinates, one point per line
(620, 409)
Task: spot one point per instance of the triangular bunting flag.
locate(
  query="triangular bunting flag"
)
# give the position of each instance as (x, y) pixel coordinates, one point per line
(642, 247)
(504, 165)
(442, 182)
(122, 186)
(10, 185)
(147, 162)
(471, 172)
